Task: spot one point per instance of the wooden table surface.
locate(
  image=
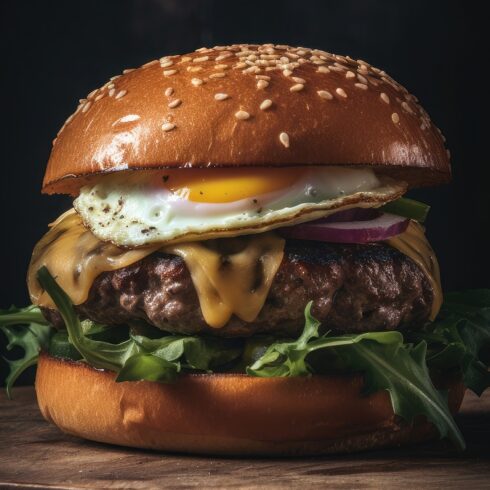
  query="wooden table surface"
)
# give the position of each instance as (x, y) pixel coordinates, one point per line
(34, 454)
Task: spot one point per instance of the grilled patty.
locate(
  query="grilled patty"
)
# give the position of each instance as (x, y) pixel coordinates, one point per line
(354, 288)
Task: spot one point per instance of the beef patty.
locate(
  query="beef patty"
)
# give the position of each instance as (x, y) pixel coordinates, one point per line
(354, 288)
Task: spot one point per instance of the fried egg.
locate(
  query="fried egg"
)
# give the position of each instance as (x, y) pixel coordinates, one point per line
(143, 208)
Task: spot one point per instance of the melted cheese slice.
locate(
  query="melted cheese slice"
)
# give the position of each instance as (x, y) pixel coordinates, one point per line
(414, 244)
(75, 257)
(231, 275)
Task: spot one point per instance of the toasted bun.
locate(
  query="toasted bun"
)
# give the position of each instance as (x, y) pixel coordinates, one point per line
(210, 108)
(227, 414)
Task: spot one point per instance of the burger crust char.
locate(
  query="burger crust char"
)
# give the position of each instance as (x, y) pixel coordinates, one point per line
(354, 288)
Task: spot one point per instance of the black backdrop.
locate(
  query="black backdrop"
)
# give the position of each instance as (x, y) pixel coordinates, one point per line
(55, 52)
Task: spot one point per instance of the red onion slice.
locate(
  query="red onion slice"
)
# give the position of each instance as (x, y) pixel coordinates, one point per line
(352, 214)
(373, 230)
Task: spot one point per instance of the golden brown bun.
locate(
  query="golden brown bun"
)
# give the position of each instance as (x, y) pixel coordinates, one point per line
(227, 414)
(349, 114)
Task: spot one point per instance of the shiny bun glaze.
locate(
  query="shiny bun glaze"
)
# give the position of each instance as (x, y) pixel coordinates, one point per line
(248, 105)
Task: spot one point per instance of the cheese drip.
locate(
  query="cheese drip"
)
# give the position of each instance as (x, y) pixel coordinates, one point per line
(414, 244)
(75, 257)
(231, 275)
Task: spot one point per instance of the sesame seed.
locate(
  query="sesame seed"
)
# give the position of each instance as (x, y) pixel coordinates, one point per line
(265, 104)
(221, 67)
(169, 91)
(395, 118)
(111, 85)
(251, 69)
(341, 92)
(323, 69)
(217, 75)
(284, 139)
(361, 78)
(86, 107)
(174, 103)
(223, 56)
(350, 74)
(169, 73)
(242, 115)
(163, 59)
(287, 72)
(407, 108)
(149, 63)
(100, 96)
(297, 87)
(91, 94)
(200, 59)
(168, 126)
(362, 86)
(112, 91)
(261, 84)
(166, 64)
(121, 94)
(196, 82)
(384, 98)
(325, 94)
(185, 59)
(194, 69)
(263, 77)
(221, 96)
(299, 80)
(241, 65)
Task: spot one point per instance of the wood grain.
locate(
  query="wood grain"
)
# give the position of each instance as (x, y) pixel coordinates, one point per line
(35, 455)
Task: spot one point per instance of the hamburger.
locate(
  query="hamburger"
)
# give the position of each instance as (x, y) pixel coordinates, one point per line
(240, 272)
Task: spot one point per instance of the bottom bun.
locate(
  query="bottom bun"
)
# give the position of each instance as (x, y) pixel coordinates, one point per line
(226, 414)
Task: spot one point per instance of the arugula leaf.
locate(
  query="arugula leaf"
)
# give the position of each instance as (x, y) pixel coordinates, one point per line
(25, 328)
(150, 368)
(140, 357)
(97, 353)
(387, 363)
(460, 337)
(402, 370)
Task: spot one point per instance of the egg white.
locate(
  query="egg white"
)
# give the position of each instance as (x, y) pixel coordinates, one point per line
(130, 211)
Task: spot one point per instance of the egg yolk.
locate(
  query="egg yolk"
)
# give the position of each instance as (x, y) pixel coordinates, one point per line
(228, 185)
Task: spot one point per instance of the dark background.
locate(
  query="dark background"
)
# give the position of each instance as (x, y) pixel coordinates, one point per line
(55, 52)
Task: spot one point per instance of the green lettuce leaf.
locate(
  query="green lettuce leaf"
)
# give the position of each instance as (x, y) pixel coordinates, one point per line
(386, 362)
(25, 328)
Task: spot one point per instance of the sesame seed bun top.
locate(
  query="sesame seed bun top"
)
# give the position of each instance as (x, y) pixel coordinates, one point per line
(248, 105)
